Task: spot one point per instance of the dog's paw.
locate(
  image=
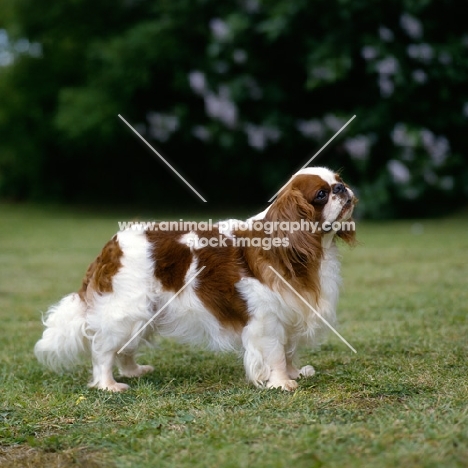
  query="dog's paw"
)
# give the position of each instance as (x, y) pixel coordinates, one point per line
(112, 387)
(307, 371)
(288, 385)
(137, 371)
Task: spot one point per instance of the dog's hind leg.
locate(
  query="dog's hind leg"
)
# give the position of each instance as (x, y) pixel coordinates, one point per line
(103, 378)
(129, 368)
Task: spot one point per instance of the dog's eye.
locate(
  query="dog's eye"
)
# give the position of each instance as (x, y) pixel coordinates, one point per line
(321, 197)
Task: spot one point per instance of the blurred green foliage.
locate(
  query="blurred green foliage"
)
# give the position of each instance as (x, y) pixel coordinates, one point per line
(237, 95)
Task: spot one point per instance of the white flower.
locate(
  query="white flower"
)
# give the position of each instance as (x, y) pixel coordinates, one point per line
(197, 81)
(422, 52)
(369, 52)
(386, 86)
(219, 28)
(411, 25)
(255, 136)
(438, 147)
(219, 106)
(333, 122)
(162, 126)
(427, 138)
(385, 34)
(358, 147)
(202, 133)
(311, 128)
(387, 66)
(399, 172)
(419, 76)
(4, 42)
(259, 136)
(22, 46)
(440, 150)
(400, 135)
(6, 58)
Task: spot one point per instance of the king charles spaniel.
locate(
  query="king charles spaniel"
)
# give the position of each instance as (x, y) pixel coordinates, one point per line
(221, 292)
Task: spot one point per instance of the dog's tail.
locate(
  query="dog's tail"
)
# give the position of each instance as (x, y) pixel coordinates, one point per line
(64, 342)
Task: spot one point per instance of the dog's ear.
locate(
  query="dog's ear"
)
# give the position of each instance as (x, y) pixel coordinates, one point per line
(348, 235)
(299, 246)
(290, 205)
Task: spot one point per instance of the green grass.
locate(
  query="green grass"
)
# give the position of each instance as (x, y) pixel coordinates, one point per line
(400, 401)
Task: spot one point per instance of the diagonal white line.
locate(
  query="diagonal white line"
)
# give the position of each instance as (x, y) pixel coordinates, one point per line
(313, 310)
(160, 310)
(332, 138)
(319, 151)
(160, 157)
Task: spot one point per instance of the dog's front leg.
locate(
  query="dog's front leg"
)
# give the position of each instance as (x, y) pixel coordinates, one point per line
(279, 377)
(265, 357)
(293, 371)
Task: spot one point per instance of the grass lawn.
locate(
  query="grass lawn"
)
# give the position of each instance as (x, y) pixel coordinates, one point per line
(400, 401)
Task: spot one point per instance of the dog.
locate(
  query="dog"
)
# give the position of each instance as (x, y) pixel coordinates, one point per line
(261, 286)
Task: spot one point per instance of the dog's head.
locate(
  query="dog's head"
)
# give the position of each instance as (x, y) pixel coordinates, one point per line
(322, 204)
(318, 193)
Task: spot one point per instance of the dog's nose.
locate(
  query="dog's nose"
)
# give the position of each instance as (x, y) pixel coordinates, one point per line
(339, 188)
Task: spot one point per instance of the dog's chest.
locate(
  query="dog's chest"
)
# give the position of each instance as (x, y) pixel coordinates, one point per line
(330, 279)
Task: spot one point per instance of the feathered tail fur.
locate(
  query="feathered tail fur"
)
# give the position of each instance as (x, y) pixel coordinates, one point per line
(64, 342)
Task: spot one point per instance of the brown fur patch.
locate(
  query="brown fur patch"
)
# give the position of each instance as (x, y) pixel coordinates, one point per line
(172, 259)
(298, 262)
(224, 267)
(309, 185)
(348, 236)
(101, 272)
(215, 284)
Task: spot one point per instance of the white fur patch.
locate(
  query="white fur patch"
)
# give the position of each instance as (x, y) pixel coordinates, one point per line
(190, 239)
(187, 319)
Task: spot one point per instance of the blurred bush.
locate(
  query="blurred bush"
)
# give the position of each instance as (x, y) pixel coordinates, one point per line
(237, 95)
